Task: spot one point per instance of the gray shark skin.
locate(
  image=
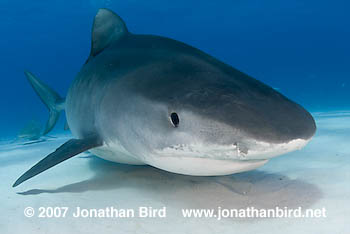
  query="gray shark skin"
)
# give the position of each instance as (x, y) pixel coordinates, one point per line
(145, 99)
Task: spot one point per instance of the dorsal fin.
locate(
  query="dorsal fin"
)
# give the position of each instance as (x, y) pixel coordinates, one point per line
(107, 27)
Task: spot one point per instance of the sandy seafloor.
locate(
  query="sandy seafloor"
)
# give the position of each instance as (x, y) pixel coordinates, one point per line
(317, 176)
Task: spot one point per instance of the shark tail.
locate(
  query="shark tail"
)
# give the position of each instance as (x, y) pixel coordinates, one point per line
(52, 100)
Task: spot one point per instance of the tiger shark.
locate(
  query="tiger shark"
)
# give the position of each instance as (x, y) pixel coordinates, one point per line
(146, 99)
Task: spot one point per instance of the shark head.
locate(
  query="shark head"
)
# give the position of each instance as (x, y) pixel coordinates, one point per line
(192, 114)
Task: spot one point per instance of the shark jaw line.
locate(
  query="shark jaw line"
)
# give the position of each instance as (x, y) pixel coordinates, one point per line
(215, 160)
(251, 150)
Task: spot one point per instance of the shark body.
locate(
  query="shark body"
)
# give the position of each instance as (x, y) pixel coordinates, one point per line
(145, 99)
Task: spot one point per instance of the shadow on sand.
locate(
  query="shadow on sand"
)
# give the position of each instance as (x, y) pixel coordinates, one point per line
(254, 188)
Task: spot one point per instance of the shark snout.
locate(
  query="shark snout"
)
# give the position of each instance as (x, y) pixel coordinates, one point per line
(282, 123)
(291, 132)
(303, 124)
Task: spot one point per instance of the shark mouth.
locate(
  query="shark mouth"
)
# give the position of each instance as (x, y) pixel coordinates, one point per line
(204, 160)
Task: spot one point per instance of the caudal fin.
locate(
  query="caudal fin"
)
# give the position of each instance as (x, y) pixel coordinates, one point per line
(51, 99)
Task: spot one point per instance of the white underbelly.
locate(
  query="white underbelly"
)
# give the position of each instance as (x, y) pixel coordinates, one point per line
(182, 165)
(204, 166)
(116, 154)
(200, 160)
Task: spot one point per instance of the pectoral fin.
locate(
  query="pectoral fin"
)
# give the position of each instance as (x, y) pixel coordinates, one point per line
(64, 152)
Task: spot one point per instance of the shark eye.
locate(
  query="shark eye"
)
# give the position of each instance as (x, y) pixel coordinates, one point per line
(174, 119)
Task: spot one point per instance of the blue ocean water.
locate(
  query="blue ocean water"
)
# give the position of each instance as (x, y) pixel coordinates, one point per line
(299, 47)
